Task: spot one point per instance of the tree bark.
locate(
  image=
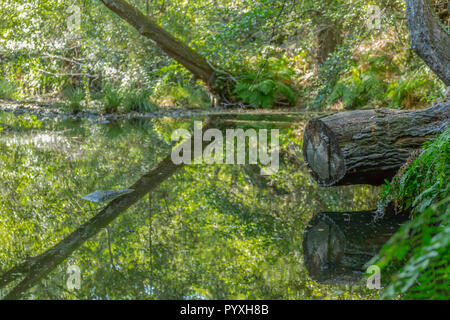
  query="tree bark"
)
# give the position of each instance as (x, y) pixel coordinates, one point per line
(172, 46)
(337, 245)
(428, 38)
(368, 146)
(328, 37)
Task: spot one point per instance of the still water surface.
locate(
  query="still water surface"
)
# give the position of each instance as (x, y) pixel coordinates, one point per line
(207, 232)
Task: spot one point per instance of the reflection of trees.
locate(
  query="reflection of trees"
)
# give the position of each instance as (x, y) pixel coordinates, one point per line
(209, 237)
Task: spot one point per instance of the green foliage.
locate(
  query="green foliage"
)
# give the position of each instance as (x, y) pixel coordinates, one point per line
(107, 49)
(416, 258)
(424, 180)
(267, 85)
(112, 98)
(182, 95)
(7, 89)
(74, 98)
(361, 88)
(330, 72)
(399, 91)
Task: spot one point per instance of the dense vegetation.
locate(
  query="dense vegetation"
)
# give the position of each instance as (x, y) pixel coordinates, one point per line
(319, 54)
(209, 231)
(417, 256)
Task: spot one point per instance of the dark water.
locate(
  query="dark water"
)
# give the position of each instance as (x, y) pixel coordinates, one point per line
(210, 231)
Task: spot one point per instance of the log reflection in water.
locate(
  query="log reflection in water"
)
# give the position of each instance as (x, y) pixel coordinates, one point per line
(337, 245)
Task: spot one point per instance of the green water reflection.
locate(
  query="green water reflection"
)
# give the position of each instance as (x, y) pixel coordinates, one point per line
(209, 231)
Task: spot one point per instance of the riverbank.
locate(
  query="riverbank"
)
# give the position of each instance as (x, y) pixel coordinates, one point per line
(414, 262)
(49, 110)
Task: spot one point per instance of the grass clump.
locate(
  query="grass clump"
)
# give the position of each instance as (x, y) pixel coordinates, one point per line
(139, 101)
(74, 98)
(112, 98)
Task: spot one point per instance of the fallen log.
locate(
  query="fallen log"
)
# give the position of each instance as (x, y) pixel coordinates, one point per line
(337, 245)
(368, 146)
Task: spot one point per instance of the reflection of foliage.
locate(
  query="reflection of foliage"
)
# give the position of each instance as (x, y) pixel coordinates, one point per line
(211, 233)
(21, 122)
(418, 254)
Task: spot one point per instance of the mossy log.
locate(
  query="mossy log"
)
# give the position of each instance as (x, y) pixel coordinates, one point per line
(368, 146)
(337, 245)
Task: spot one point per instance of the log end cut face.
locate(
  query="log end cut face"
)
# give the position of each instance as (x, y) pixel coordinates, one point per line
(322, 153)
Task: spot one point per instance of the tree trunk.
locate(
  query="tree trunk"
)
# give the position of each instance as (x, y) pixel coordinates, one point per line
(328, 37)
(172, 46)
(368, 146)
(428, 38)
(337, 245)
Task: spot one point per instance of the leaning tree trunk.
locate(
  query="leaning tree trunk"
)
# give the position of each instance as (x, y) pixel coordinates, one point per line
(368, 146)
(337, 245)
(172, 46)
(428, 37)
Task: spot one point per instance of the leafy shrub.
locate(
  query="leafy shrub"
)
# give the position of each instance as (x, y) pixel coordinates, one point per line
(181, 95)
(419, 253)
(330, 71)
(407, 92)
(417, 185)
(266, 86)
(7, 89)
(359, 89)
(74, 98)
(416, 257)
(138, 100)
(263, 93)
(176, 87)
(112, 98)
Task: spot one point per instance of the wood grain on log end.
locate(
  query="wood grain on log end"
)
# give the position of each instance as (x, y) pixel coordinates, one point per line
(322, 153)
